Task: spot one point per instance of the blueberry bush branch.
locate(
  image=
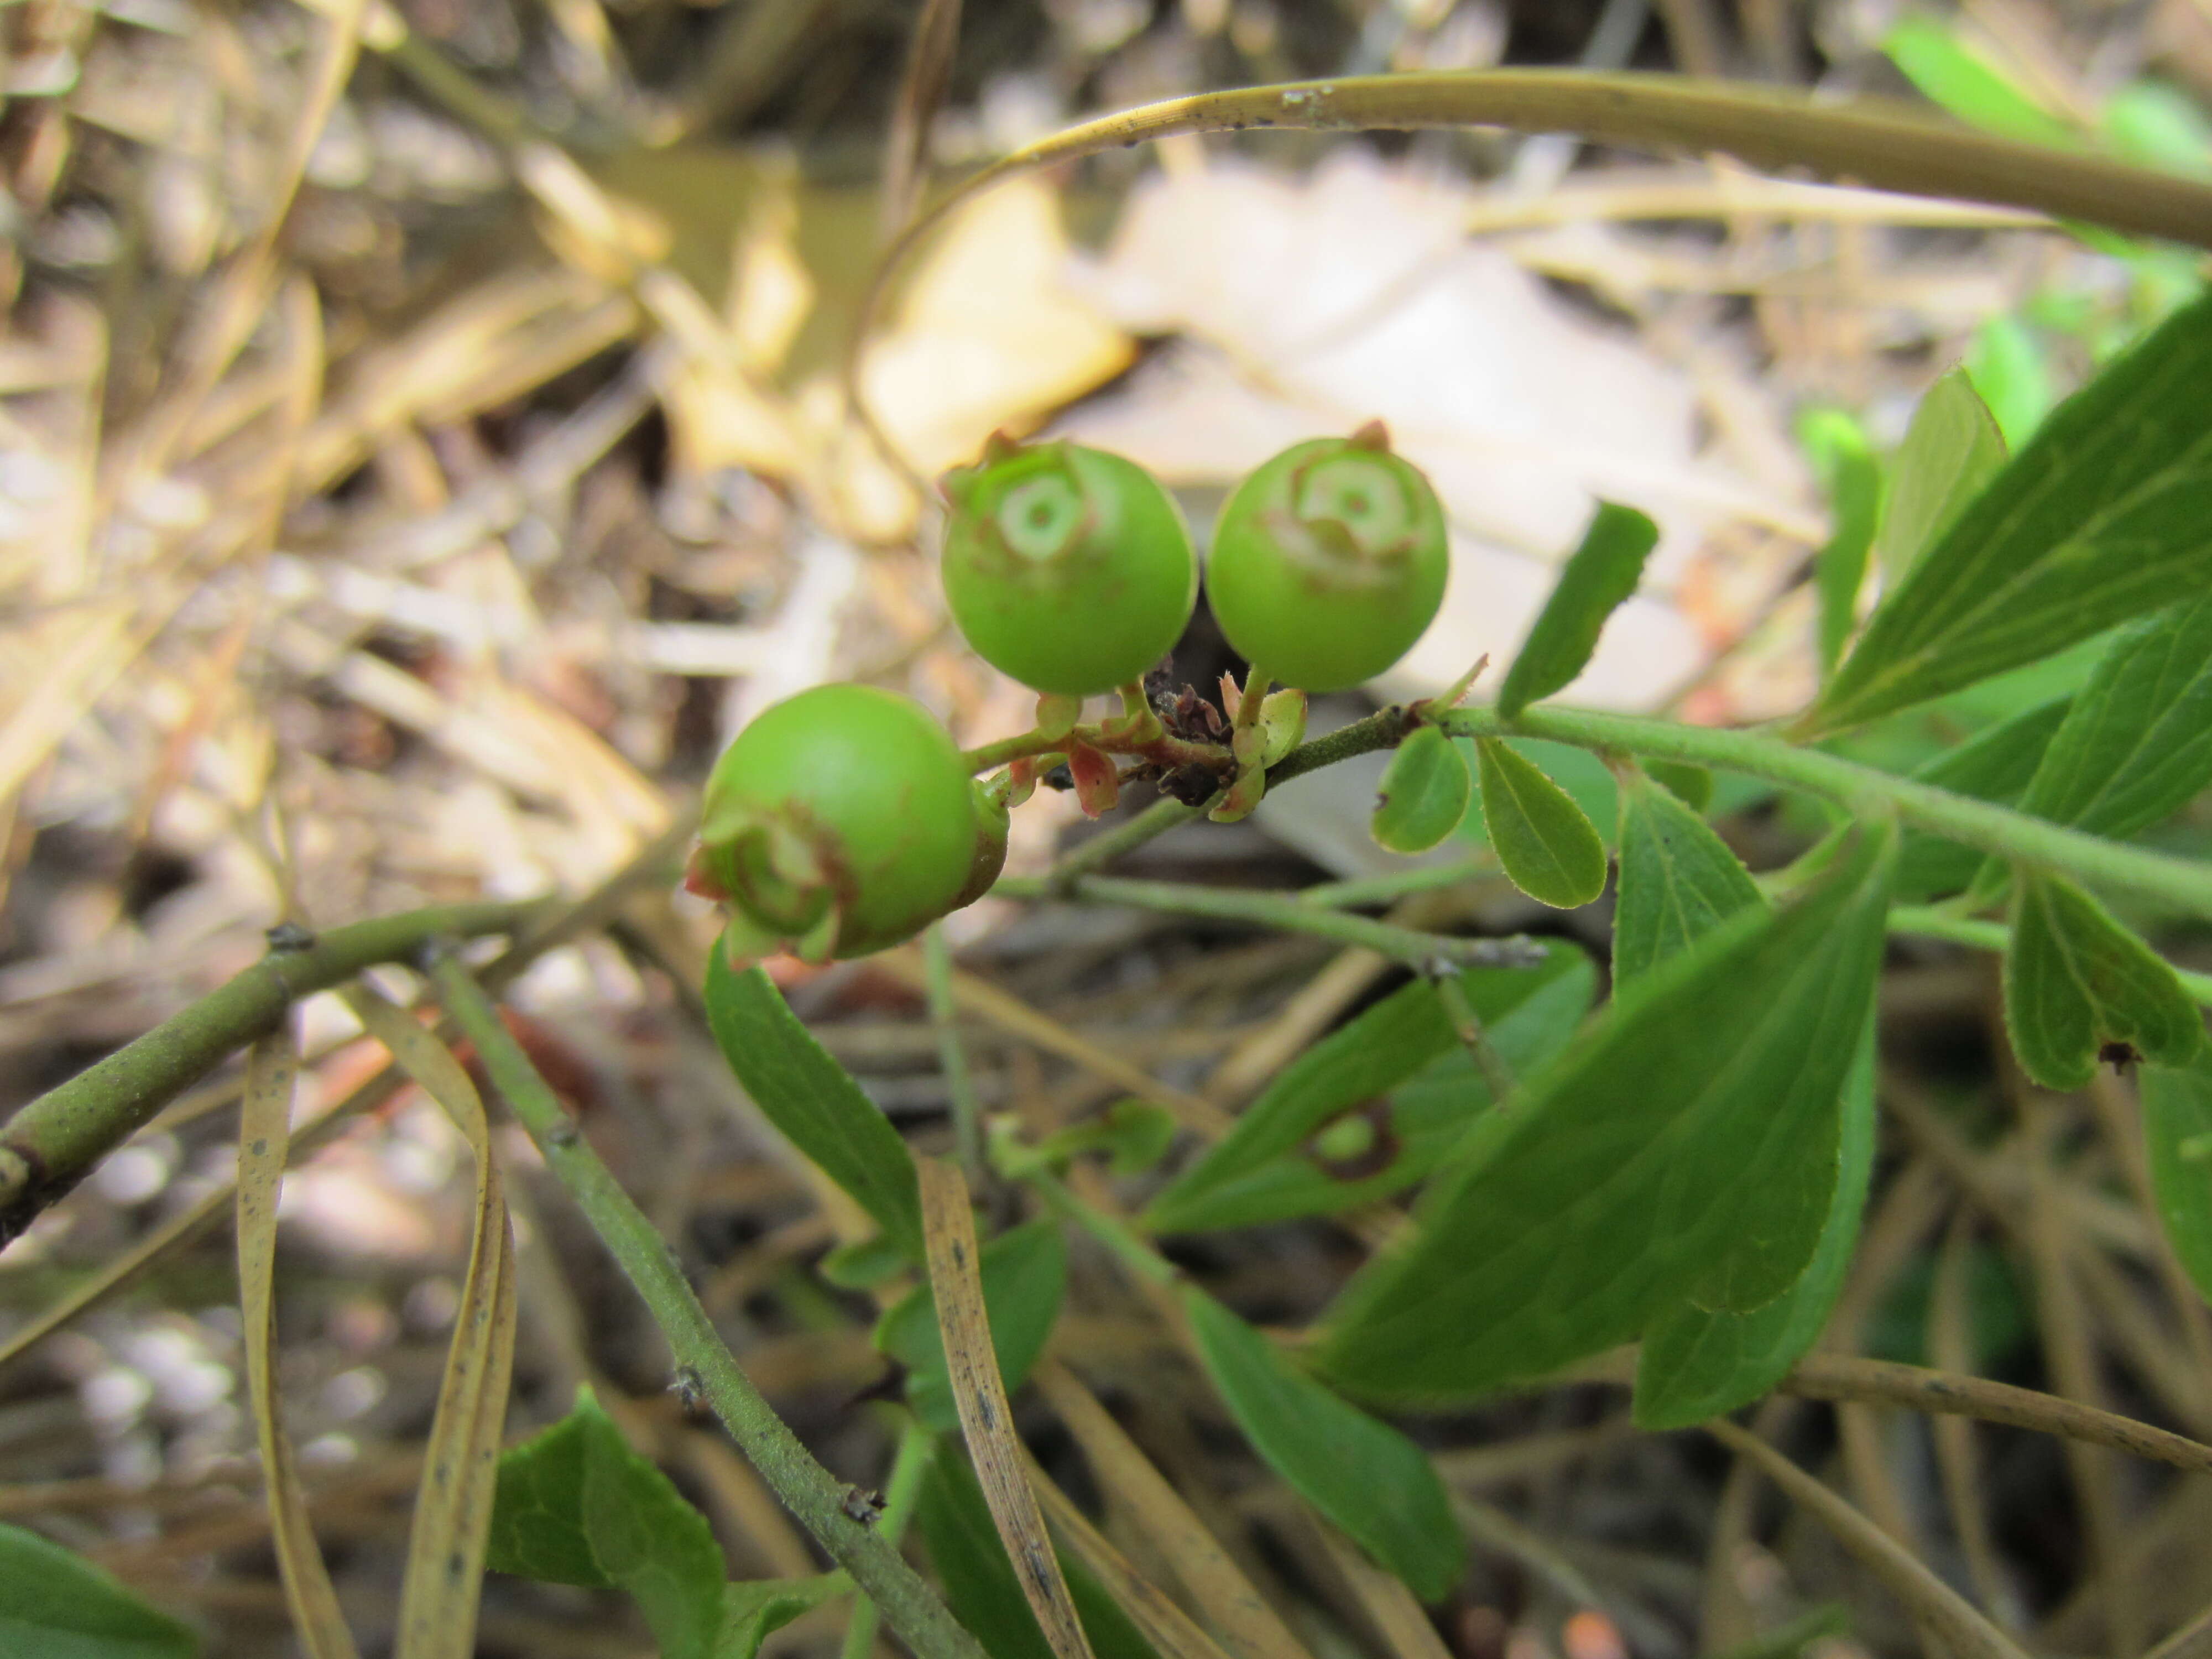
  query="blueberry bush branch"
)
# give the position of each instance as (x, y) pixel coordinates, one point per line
(809, 1491)
(51, 1144)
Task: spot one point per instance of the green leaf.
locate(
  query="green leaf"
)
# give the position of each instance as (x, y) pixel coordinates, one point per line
(1137, 1134)
(1547, 844)
(2136, 744)
(980, 1586)
(1949, 74)
(1025, 1274)
(1598, 578)
(1952, 449)
(2176, 1108)
(2099, 520)
(1697, 1364)
(1691, 785)
(1424, 794)
(1851, 476)
(753, 1608)
(1995, 765)
(575, 1506)
(1677, 879)
(2076, 981)
(1275, 1163)
(1374, 1483)
(1685, 1147)
(812, 1100)
(1586, 777)
(57, 1605)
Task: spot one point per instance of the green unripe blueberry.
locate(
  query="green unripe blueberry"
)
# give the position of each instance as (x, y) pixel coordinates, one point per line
(1328, 561)
(840, 821)
(1067, 568)
(993, 824)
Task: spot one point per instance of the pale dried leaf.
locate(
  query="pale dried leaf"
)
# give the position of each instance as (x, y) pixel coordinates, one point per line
(264, 1140)
(980, 1394)
(444, 1579)
(1249, 1626)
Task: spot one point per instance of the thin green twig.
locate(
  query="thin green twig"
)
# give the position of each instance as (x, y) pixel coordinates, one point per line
(1926, 921)
(901, 1491)
(1101, 850)
(808, 1490)
(1874, 141)
(2182, 883)
(50, 1145)
(1466, 1025)
(1360, 890)
(1285, 911)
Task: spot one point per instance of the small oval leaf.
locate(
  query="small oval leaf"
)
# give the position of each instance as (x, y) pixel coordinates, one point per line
(1374, 1483)
(2078, 984)
(1425, 794)
(1597, 581)
(1547, 844)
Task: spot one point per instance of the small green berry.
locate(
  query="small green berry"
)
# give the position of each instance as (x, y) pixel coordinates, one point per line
(1066, 568)
(840, 821)
(1329, 561)
(994, 822)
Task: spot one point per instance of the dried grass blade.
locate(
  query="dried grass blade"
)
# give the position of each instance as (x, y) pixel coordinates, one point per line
(922, 91)
(949, 1237)
(444, 1579)
(264, 1140)
(987, 1002)
(120, 1270)
(1248, 1626)
(241, 297)
(1933, 1605)
(1397, 1617)
(1837, 1376)
(1172, 1632)
(1881, 143)
(1958, 1460)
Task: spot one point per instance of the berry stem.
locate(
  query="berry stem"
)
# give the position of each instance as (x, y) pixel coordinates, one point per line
(1164, 751)
(1257, 679)
(991, 756)
(1285, 912)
